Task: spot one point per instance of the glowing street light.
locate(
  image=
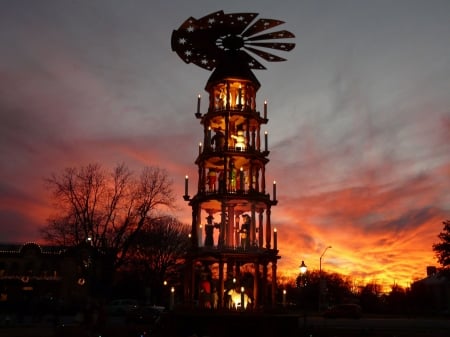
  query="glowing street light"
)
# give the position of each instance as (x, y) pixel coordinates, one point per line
(302, 284)
(301, 277)
(303, 268)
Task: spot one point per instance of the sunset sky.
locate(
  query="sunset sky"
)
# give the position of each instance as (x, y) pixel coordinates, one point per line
(359, 118)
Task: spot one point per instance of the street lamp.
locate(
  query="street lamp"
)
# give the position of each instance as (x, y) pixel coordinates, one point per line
(321, 284)
(301, 276)
(303, 268)
(320, 264)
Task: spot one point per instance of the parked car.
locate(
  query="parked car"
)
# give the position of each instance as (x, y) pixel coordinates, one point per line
(343, 311)
(122, 306)
(146, 315)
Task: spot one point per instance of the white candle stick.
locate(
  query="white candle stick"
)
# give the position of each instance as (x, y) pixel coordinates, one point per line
(265, 109)
(172, 298)
(274, 190)
(198, 104)
(266, 141)
(275, 239)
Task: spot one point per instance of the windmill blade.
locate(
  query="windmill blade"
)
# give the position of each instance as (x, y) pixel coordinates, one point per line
(250, 61)
(267, 56)
(191, 22)
(233, 23)
(204, 62)
(273, 45)
(261, 25)
(239, 21)
(210, 19)
(282, 34)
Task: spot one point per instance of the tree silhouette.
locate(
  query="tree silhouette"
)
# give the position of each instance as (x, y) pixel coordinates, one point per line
(106, 209)
(158, 253)
(370, 297)
(442, 248)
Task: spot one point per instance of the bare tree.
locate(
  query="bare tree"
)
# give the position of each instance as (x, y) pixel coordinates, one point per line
(159, 252)
(106, 209)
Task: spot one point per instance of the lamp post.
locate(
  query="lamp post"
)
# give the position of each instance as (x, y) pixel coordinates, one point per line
(303, 270)
(320, 265)
(321, 285)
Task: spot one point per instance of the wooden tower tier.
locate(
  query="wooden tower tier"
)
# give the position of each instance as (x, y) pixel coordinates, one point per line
(231, 226)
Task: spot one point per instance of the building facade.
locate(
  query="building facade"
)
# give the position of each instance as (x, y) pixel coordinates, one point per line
(33, 275)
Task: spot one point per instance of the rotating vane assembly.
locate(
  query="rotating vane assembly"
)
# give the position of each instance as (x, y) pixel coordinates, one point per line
(218, 39)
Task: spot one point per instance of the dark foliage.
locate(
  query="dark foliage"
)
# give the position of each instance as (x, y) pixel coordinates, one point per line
(442, 248)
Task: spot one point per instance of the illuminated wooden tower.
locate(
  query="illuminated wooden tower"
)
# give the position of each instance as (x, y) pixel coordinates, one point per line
(234, 243)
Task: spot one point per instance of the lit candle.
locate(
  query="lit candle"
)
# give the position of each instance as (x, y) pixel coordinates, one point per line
(172, 298)
(241, 179)
(209, 137)
(274, 190)
(200, 148)
(198, 104)
(275, 238)
(265, 109)
(284, 297)
(200, 234)
(266, 146)
(186, 182)
(242, 298)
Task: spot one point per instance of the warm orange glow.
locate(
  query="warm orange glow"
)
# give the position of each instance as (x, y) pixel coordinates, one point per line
(360, 147)
(374, 235)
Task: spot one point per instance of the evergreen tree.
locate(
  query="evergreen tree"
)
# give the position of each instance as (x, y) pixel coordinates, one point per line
(442, 248)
